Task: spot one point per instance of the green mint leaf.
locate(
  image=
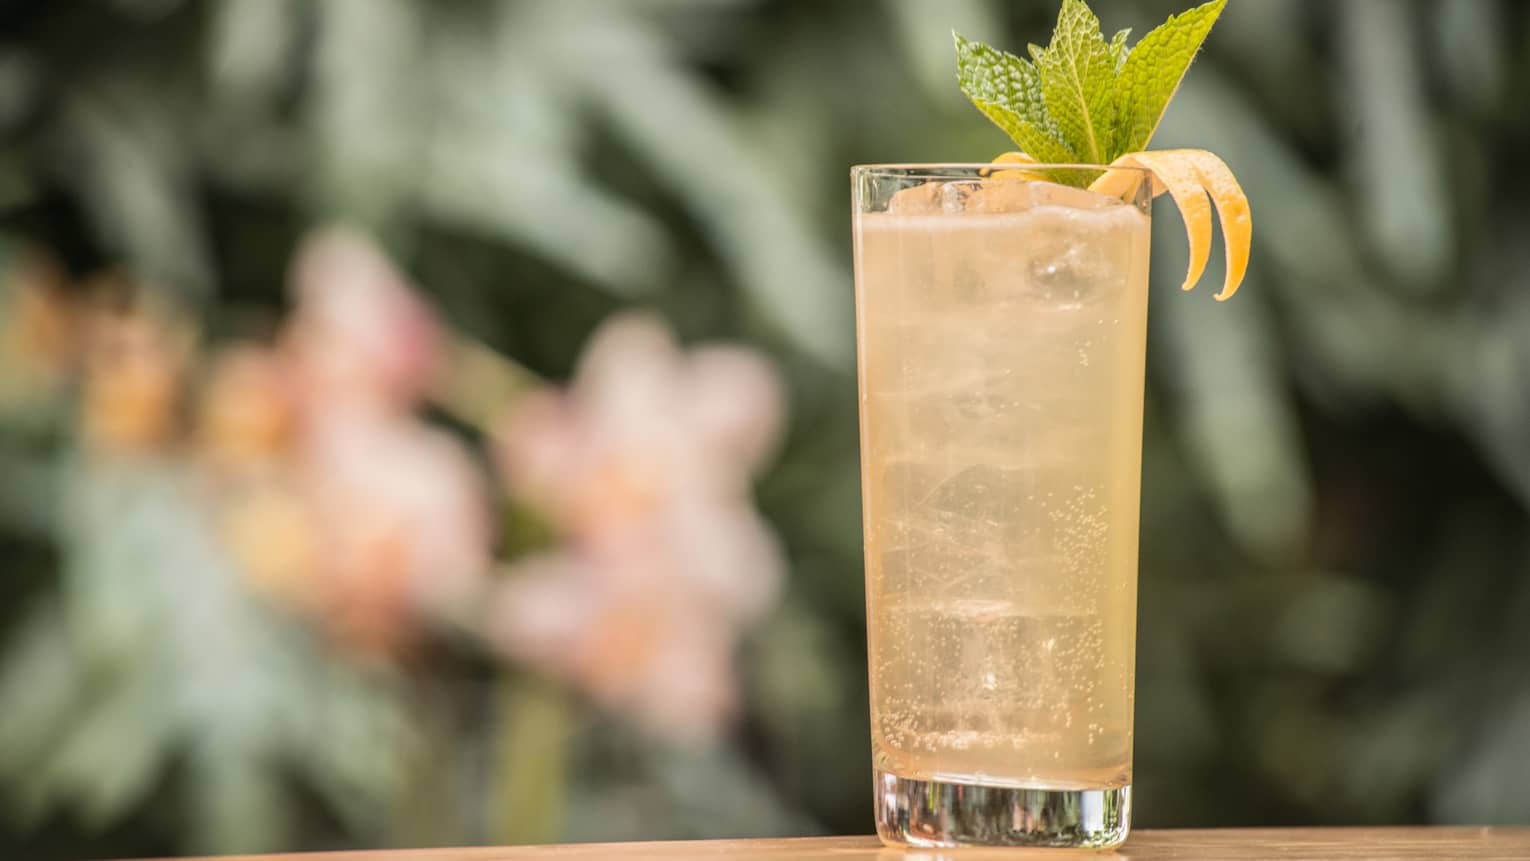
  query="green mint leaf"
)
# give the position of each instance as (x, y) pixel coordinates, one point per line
(1078, 77)
(1152, 72)
(1008, 90)
(1118, 48)
(1082, 99)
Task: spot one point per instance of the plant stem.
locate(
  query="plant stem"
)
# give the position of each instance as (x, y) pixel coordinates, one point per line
(480, 384)
(530, 761)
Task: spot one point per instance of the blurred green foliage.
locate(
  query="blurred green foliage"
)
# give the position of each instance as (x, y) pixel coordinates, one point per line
(1337, 464)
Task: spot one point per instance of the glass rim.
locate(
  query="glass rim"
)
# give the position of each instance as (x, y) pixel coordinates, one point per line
(958, 170)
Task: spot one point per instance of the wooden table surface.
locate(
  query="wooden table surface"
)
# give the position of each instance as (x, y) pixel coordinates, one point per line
(1273, 844)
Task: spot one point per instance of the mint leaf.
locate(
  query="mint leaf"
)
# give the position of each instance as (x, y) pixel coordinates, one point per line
(1118, 49)
(1152, 73)
(1078, 77)
(1008, 90)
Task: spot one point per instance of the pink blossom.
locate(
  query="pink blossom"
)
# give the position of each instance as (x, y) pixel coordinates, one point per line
(42, 321)
(360, 331)
(404, 511)
(247, 410)
(643, 466)
(134, 367)
(382, 519)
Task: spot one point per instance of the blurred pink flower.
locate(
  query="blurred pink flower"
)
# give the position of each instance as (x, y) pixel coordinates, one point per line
(405, 519)
(643, 465)
(360, 331)
(42, 320)
(248, 407)
(134, 367)
(372, 518)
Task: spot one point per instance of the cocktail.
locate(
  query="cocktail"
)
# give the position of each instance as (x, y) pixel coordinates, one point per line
(1001, 325)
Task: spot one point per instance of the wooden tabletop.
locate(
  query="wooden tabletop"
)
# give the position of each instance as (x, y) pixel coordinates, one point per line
(1255, 844)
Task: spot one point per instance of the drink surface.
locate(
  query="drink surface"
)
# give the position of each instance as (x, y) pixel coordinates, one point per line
(1001, 333)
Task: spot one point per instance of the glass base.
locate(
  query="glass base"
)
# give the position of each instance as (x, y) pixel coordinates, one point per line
(943, 814)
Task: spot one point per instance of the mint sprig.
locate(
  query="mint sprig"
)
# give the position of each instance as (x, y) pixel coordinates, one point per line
(1081, 99)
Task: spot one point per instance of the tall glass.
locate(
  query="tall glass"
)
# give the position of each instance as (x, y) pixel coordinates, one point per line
(1001, 322)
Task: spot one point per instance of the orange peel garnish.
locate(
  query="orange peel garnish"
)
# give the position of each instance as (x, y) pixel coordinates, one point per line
(1196, 179)
(1017, 158)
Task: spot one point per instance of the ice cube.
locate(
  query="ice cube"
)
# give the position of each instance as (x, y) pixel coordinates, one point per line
(1002, 196)
(1078, 256)
(955, 197)
(924, 199)
(1052, 194)
(1063, 278)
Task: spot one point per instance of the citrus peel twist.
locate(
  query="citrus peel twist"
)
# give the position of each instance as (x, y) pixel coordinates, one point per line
(1195, 179)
